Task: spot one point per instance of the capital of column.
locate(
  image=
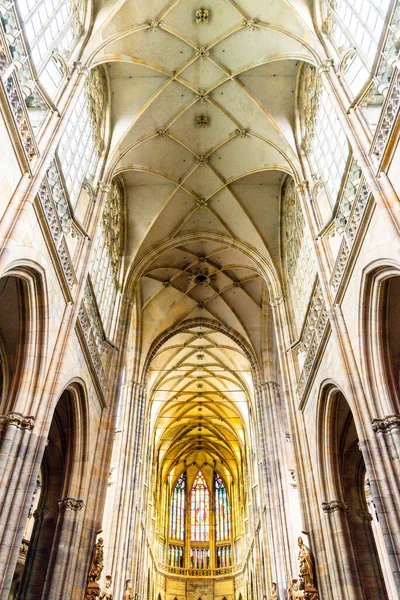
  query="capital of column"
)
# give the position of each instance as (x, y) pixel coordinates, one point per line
(303, 186)
(334, 505)
(70, 503)
(17, 420)
(102, 186)
(81, 70)
(277, 301)
(364, 515)
(326, 66)
(39, 513)
(269, 385)
(389, 423)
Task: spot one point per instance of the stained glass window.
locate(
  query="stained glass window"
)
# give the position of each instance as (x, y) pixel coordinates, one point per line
(175, 556)
(200, 558)
(224, 556)
(222, 511)
(177, 521)
(199, 508)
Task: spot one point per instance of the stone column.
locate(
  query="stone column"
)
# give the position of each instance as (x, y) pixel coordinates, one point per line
(382, 461)
(125, 510)
(16, 489)
(64, 554)
(275, 498)
(341, 557)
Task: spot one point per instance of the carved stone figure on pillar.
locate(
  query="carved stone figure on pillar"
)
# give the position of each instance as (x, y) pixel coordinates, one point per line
(128, 590)
(106, 593)
(273, 595)
(95, 569)
(294, 590)
(306, 566)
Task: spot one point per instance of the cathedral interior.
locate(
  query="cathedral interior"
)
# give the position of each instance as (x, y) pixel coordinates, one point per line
(199, 299)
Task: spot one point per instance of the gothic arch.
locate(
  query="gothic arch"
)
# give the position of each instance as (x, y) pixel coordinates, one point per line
(63, 487)
(344, 493)
(380, 304)
(23, 335)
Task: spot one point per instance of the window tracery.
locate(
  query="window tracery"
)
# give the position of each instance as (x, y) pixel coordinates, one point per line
(324, 139)
(299, 264)
(81, 142)
(108, 250)
(177, 521)
(200, 510)
(51, 26)
(222, 511)
(355, 28)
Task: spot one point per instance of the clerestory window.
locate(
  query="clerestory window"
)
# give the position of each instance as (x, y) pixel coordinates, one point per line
(355, 28)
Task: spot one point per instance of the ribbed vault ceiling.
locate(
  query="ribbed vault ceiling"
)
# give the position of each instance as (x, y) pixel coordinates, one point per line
(202, 137)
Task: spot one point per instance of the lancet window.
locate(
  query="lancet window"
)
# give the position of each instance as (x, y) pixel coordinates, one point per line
(222, 511)
(298, 258)
(324, 139)
(108, 250)
(81, 142)
(178, 503)
(49, 26)
(200, 510)
(355, 28)
(200, 529)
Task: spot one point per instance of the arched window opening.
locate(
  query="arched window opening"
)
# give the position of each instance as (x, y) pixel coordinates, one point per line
(81, 142)
(324, 140)
(222, 511)
(298, 257)
(200, 526)
(177, 521)
(355, 28)
(106, 267)
(200, 510)
(51, 26)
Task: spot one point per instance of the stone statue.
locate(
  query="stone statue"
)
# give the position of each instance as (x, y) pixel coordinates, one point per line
(294, 591)
(95, 569)
(306, 567)
(273, 593)
(106, 593)
(128, 590)
(96, 566)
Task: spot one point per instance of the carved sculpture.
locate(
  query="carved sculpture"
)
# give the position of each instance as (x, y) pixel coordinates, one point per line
(128, 595)
(306, 567)
(273, 595)
(106, 593)
(95, 569)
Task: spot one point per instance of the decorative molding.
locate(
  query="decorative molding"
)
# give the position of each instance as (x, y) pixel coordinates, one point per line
(351, 232)
(316, 322)
(71, 503)
(202, 15)
(388, 117)
(249, 23)
(202, 95)
(202, 53)
(66, 262)
(18, 420)
(387, 424)
(20, 114)
(365, 516)
(50, 211)
(155, 25)
(202, 121)
(335, 505)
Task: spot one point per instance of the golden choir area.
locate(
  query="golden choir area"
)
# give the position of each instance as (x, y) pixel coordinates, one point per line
(199, 300)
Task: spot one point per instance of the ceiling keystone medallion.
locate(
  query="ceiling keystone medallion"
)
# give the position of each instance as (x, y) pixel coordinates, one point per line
(162, 133)
(202, 53)
(202, 95)
(200, 277)
(167, 284)
(203, 160)
(250, 23)
(202, 202)
(202, 121)
(202, 15)
(155, 25)
(242, 132)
